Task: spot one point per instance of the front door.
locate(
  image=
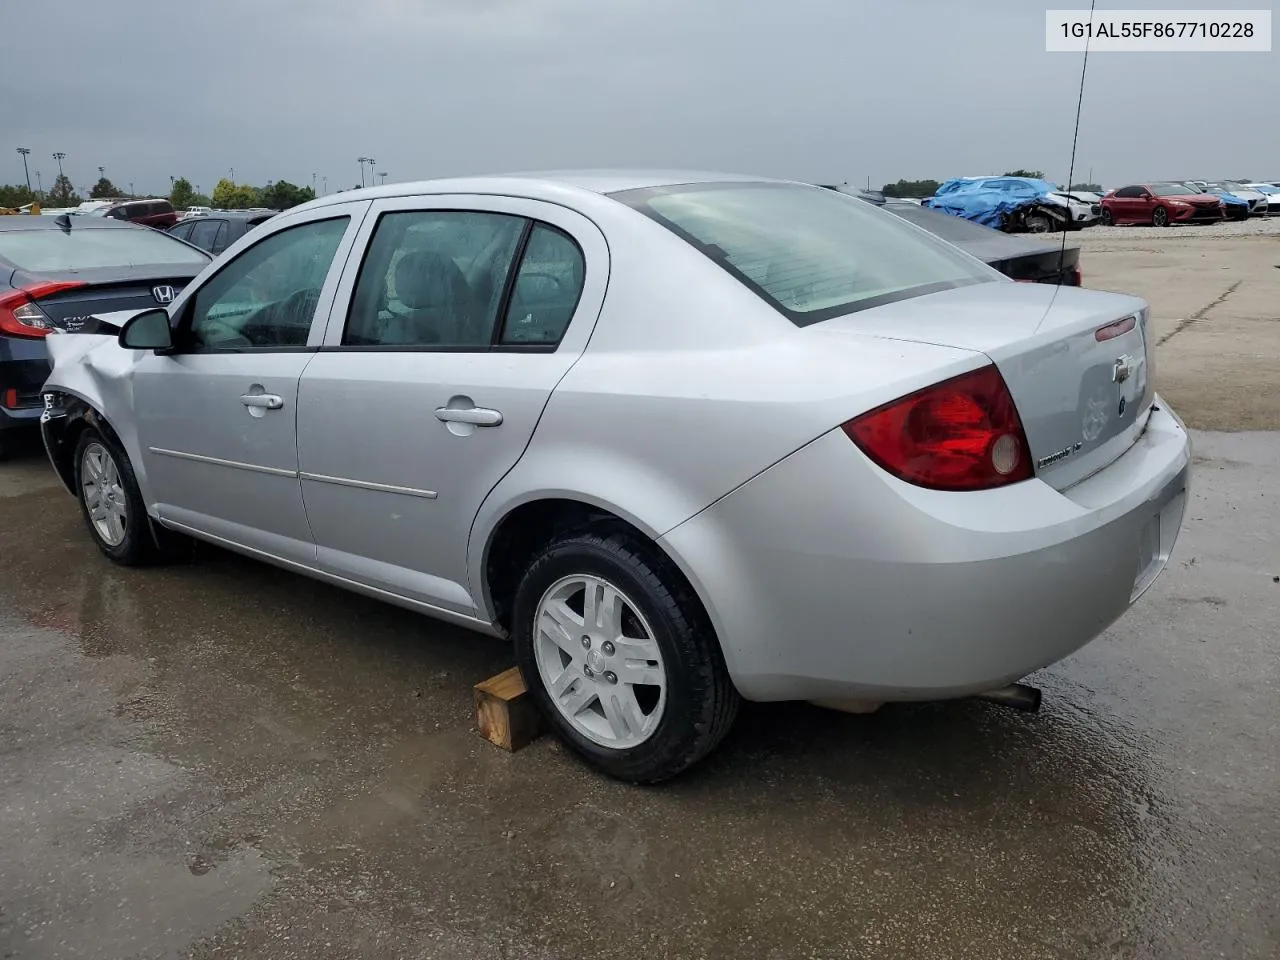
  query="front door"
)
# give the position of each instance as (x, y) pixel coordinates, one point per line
(216, 416)
(463, 316)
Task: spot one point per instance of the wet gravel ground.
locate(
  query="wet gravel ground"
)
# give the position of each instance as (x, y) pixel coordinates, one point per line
(225, 760)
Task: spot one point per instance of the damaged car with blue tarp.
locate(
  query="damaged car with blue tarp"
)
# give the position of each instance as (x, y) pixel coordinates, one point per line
(1011, 204)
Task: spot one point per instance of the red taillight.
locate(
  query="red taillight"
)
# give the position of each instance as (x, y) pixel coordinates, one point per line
(961, 434)
(19, 314)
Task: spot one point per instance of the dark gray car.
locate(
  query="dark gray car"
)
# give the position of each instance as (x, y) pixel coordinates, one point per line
(56, 273)
(216, 231)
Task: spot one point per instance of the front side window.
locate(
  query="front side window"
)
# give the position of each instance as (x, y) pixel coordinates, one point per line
(811, 253)
(267, 296)
(433, 279)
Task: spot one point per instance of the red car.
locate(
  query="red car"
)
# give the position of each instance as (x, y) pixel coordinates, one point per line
(1160, 204)
(157, 213)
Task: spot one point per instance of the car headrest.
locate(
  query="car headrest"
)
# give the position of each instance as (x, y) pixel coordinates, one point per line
(427, 278)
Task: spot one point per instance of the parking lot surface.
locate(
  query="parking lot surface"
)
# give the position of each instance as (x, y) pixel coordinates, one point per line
(221, 759)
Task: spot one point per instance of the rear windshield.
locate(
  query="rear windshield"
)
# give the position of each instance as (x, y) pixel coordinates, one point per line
(811, 253)
(57, 251)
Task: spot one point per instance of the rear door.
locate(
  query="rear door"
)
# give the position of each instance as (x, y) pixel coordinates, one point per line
(448, 336)
(216, 416)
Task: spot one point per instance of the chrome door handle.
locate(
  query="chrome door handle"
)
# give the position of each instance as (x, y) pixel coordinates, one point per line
(476, 416)
(266, 401)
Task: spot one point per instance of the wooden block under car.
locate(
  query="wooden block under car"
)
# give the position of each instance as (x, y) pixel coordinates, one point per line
(505, 713)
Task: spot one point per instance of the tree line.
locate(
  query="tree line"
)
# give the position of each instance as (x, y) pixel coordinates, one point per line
(227, 195)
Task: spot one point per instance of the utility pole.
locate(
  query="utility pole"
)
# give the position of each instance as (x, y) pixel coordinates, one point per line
(60, 156)
(131, 193)
(27, 173)
(39, 184)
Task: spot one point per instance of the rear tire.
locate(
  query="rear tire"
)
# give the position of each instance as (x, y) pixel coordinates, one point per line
(639, 689)
(1160, 217)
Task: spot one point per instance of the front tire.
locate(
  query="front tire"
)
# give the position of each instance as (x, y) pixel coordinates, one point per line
(1106, 218)
(111, 501)
(620, 657)
(1160, 217)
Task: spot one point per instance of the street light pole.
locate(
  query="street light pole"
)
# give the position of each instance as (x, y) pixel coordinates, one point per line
(60, 156)
(324, 185)
(39, 184)
(27, 173)
(384, 178)
(362, 161)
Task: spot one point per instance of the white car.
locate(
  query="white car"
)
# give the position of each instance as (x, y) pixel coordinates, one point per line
(1272, 192)
(1085, 208)
(1257, 200)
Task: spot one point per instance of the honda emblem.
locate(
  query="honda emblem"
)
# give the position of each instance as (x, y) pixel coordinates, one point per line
(163, 294)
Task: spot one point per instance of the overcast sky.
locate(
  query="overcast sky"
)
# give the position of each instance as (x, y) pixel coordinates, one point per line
(820, 90)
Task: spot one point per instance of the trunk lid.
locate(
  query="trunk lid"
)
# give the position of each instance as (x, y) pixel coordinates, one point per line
(75, 310)
(1084, 397)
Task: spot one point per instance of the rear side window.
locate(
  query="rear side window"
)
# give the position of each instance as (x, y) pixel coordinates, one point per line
(220, 239)
(546, 290)
(86, 248)
(810, 253)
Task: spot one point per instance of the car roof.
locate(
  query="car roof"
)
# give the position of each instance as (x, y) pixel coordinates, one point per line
(541, 184)
(77, 223)
(236, 214)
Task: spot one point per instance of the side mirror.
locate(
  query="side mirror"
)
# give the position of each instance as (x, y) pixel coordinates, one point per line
(148, 330)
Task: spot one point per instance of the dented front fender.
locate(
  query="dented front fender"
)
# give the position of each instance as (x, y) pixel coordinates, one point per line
(91, 383)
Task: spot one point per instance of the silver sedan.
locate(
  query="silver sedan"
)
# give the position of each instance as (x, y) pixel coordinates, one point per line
(682, 438)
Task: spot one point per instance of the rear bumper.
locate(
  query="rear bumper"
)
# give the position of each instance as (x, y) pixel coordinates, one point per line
(24, 367)
(821, 585)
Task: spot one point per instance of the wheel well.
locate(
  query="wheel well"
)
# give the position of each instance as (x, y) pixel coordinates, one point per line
(80, 418)
(530, 527)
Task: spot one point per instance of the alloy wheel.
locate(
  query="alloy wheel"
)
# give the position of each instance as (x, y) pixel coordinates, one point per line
(599, 661)
(104, 494)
